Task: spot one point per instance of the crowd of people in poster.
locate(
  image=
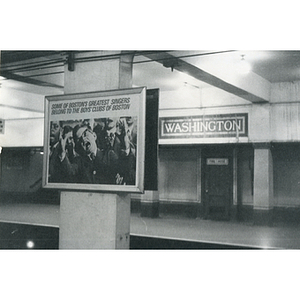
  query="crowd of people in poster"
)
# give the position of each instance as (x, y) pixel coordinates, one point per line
(93, 151)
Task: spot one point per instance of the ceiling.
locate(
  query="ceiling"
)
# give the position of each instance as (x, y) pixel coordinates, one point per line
(273, 65)
(42, 72)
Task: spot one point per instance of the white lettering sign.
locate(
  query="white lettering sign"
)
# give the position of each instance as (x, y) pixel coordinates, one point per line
(229, 125)
(217, 161)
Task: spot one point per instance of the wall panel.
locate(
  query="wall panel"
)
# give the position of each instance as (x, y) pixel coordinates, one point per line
(286, 175)
(285, 122)
(245, 175)
(178, 175)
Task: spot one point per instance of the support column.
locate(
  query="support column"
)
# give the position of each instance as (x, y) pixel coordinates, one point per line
(234, 207)
(263, 185)
(96, 220)
(150, 204)
(150, 198)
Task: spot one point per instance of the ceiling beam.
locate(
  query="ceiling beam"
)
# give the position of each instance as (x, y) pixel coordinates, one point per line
(8, 56)
(22, 108)
(25, 79)
(257, 92)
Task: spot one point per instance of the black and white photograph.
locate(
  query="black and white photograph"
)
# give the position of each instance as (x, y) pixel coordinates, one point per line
(175, 149)
(149, 150)
(181, 154)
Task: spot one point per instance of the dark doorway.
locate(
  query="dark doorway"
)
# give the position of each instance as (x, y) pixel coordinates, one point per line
(217, 182)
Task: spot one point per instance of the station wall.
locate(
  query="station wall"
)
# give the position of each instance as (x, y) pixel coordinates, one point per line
(179, 174)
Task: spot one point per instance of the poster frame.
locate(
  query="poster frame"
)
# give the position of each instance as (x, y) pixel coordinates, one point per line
(138, 187)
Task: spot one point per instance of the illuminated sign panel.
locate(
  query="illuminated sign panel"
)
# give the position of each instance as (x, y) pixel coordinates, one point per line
(206, 126)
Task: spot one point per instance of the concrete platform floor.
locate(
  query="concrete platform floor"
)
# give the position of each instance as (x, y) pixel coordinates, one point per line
(279, 236)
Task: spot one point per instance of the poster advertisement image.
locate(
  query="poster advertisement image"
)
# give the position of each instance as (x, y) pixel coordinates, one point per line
(95, 141)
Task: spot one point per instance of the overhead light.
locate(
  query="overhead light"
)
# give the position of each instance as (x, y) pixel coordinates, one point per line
(171, 63)
(244, 66)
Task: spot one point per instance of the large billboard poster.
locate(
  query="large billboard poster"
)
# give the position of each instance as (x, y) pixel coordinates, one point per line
(95, 141)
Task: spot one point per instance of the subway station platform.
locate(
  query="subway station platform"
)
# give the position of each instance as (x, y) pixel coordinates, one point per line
(219, 233)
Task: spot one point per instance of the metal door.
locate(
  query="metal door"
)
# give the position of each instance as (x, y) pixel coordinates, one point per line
(218, 187)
